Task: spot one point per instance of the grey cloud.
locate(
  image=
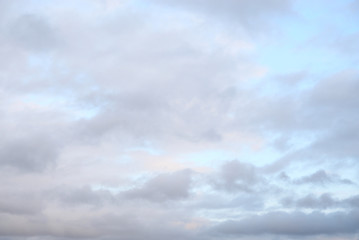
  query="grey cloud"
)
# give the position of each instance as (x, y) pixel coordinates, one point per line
(310, 201)
(40, 226)
(296, 223)
(137, 227)
(354, 6)
(130, 222)
(32, 137)
(336, 93)
(346, 45)
(283, 176)
(327, 110)
(291, 79)
(319, 177)
(29, 154)
(21, 202)
(120, 81)
(236, 176)
(164, 187)
(321, 108)
(72, 197)
(33, 32)
(352, 201)
(6, 9)
(322, 177)
(245, 202)
(212, 135)
(323, 201)
(333, 103)
(176, 116)
(340, 143)
(251, 14)
(126, 114)
(167, 93)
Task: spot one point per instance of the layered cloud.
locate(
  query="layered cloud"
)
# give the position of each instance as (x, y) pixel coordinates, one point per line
(178, 120)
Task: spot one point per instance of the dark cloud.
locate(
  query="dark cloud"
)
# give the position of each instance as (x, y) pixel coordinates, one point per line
(296, 223)
(323, 201)
(352, 201)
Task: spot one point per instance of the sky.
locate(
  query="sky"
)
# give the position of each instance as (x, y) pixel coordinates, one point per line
(179, 119)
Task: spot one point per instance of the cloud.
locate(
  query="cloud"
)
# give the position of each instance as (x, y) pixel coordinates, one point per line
(352, 201)
(164, 187)
(251, 14)
(72, 197)
(296, 223)
(130, 221)
(322, 177)
(118, 120)
(236, 176)
(326, 110)
(323, 201)
(310, 201)
(21, 203)
(35, 154)
(33, 145)
(33, 33)
(354, 6)
(245, 202)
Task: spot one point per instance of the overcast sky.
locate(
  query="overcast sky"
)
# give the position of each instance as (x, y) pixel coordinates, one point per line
(179, 119)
